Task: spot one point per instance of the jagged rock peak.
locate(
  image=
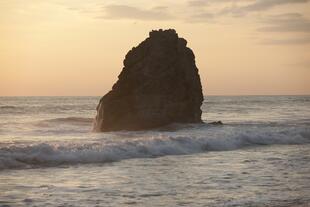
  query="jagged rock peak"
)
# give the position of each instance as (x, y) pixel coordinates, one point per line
(161, 33)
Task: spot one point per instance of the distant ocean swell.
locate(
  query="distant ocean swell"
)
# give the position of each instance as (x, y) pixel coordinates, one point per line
(69, 120)
(42, 109)
(99, 151)
(63, 120)
(7, 107)
(56, 125)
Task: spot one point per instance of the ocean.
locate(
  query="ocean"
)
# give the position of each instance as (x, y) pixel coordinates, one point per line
(260, 156)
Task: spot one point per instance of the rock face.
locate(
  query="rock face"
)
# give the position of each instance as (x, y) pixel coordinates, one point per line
(158, 85)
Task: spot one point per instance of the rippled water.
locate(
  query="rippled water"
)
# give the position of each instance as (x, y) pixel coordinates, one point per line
(259, 157)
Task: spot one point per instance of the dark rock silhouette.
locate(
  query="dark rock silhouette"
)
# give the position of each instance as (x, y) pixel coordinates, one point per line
(158, 85)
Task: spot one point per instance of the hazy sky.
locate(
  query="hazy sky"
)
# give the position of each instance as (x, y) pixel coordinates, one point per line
(76, 47)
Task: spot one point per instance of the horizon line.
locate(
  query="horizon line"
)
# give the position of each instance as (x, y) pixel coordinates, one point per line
(203, 95)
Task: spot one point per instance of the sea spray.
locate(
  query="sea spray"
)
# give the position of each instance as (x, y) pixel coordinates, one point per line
(148, 144)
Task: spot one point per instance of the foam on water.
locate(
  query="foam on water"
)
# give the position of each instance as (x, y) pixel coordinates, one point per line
(111, 147)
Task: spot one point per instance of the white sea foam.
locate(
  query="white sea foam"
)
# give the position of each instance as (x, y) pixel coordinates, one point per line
(155, 144)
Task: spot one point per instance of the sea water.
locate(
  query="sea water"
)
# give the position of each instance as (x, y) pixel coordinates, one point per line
(49, 155)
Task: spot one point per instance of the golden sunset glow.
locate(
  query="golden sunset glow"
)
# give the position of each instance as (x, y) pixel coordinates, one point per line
(77, 47)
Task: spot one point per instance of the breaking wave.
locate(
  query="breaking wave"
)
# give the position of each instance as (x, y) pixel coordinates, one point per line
(102, 151)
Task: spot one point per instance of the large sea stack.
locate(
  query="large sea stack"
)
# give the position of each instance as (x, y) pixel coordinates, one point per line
(158, 85)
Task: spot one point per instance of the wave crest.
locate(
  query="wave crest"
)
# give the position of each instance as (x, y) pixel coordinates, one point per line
(101, 151)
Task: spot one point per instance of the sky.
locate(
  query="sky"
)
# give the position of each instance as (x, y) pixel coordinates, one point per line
(77, 47)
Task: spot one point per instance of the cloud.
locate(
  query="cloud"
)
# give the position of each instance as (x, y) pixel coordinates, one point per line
(266, 4)
(201, 17)
(235, 8)
(258, 5)
(130, 12)
(289, 22)
(286, 23)
(292, 41)
(197, 3)
(202, 3)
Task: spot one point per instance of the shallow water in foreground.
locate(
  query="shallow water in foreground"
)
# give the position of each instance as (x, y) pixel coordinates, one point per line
(260, 157)
(262, 176)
